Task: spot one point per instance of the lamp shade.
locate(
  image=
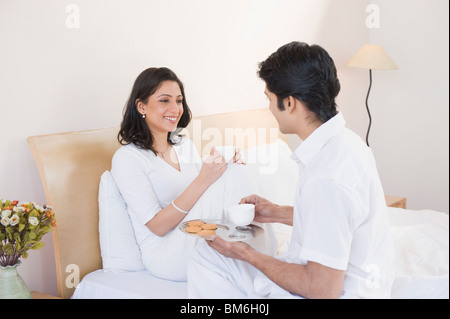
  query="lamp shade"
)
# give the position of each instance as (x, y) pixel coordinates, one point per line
(372, 56)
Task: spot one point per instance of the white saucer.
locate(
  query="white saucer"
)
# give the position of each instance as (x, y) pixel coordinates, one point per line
(227, 231)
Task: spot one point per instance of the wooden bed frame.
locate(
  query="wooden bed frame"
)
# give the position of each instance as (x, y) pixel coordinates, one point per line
(70, 166)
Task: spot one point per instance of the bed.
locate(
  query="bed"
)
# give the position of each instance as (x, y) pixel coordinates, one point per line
(92, 264)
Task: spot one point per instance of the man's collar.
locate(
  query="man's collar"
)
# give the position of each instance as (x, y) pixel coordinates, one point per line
(318, 138)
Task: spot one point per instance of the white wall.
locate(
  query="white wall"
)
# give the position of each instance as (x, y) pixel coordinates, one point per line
(55, 79)
(410, 106)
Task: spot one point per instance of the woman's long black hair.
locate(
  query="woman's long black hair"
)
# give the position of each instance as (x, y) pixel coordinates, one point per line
(134, 128)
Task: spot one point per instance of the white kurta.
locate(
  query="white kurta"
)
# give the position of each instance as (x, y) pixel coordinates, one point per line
(148, 184)
(340, 221)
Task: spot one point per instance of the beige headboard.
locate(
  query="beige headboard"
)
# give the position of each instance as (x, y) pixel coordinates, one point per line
(70, 166)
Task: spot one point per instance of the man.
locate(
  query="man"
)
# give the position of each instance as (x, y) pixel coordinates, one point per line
(340, 245)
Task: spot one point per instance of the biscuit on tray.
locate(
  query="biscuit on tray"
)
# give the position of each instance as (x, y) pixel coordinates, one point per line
(193, 229)
(209, 226)
(195, 223)
(201, 228)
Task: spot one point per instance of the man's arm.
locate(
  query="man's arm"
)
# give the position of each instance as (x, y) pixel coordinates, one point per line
(312, 280)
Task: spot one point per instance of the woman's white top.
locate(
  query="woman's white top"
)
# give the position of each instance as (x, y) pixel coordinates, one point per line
(148, 183)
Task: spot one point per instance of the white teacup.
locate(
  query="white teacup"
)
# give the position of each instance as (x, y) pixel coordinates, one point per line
(227, 152)
(241, 215)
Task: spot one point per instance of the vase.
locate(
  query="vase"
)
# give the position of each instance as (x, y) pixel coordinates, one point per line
(12, 285)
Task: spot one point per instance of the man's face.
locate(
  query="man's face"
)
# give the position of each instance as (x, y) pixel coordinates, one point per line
(280, 116)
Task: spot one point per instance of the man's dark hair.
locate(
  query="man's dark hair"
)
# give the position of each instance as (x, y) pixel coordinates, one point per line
(304, 72)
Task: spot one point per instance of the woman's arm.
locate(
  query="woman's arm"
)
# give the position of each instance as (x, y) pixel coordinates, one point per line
(169, 217)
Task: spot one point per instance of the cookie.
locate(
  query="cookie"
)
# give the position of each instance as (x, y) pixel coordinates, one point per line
(195, 223)
(209, 226)
(206, 232)
(193, 229)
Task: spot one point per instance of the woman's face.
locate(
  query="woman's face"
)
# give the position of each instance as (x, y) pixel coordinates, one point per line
(164, 108)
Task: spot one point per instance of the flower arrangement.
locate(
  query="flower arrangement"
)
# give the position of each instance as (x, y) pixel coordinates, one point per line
(22, 226)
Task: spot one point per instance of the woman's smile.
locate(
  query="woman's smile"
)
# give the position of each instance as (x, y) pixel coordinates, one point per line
(171, 119)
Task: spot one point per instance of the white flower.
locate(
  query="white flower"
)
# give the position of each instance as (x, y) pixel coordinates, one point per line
(6, 213)
(5, 221)
(14, 220)
(33, 221)
(18, 209)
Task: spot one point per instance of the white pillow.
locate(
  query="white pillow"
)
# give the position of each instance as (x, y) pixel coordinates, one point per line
(119, 249)
(276, 174)
(273, 170)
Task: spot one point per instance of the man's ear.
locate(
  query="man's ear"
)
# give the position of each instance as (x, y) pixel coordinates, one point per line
(290, 104)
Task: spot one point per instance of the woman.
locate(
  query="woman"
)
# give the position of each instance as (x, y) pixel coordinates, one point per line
(161, 176)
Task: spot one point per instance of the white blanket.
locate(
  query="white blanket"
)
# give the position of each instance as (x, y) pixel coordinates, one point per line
(421, 240)
(422, 264)
(102, 284)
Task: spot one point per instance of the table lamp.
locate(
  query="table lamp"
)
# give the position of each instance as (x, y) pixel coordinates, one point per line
(372, 57)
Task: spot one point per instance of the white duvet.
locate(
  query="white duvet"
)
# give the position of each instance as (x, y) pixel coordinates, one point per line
(421, 239)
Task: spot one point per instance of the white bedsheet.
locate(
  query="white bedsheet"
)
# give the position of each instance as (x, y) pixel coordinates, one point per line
(421, 239)
(102, 284)
(422, 264)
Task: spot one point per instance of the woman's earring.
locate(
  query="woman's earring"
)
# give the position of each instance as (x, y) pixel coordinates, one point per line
(143, 116)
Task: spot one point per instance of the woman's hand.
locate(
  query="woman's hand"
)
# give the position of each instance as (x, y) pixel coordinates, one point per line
(238, 157)
(212, 168)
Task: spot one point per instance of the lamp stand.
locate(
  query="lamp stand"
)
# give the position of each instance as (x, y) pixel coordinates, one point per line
(367, 107)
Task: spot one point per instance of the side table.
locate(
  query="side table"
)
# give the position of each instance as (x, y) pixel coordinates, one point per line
(40, 295)
(396, 201)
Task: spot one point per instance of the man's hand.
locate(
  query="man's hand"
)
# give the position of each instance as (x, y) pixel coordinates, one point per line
(268, 212)
(236, 250)
(312, 280)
